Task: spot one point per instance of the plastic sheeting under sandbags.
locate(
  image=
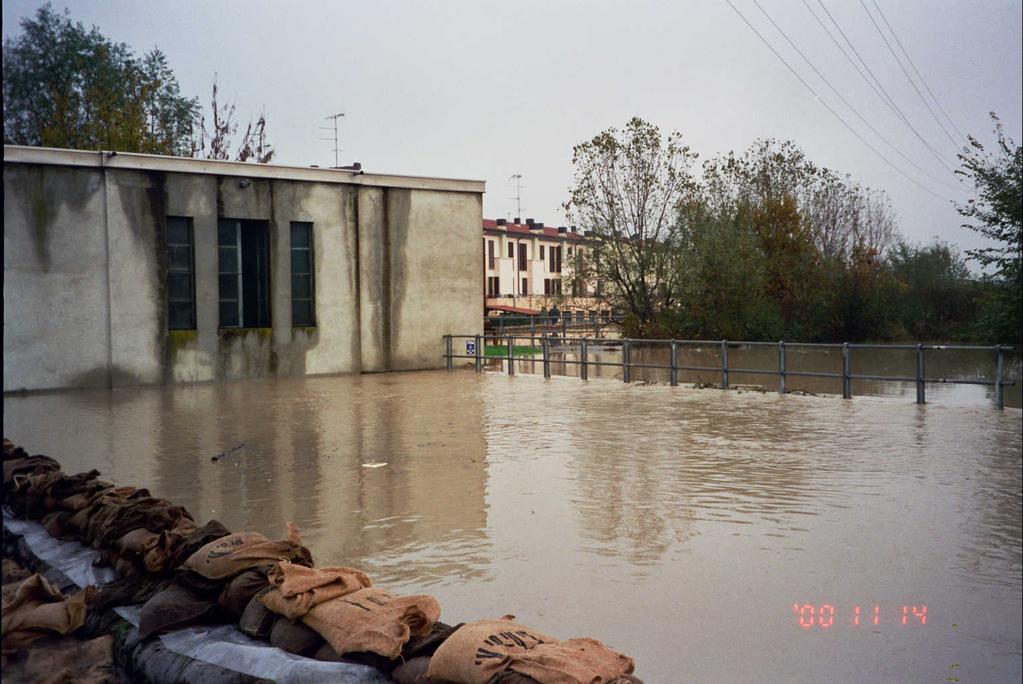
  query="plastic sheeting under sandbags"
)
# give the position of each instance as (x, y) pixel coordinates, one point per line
(222, 645)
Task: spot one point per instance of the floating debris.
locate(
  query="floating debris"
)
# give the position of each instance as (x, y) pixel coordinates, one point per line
(374, 464)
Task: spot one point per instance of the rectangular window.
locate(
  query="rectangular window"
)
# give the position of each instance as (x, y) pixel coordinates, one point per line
(541, 252)
(558, 268)
(523, 256)
(557, 285)
(490, 254)
(303, 292)
(525, 286)
(180, 274)
(243, 250)
(511, 250)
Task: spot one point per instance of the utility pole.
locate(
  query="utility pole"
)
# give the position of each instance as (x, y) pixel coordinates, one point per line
(517, 177)
(337, 135)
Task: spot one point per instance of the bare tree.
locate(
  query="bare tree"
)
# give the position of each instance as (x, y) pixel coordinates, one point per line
(216, 140)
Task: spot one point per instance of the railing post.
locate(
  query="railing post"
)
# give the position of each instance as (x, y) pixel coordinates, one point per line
(532, 326)
(447, 348)
(920, 398)
(999, 392)
(500, 326)
(511, 355)
(846, 380)
(626, 353)
(674, 363)
(479, 361)
(724, 364)
(781, 367)
(584, 371)
(564, 328)
(546, 357)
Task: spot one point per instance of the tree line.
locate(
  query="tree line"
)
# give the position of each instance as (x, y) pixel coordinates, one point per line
(69, 86)
(767, 245)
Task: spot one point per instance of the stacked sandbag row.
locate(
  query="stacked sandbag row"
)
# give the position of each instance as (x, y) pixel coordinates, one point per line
(184, 575)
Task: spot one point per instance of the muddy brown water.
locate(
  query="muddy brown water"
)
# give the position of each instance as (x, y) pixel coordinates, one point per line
(714, 536)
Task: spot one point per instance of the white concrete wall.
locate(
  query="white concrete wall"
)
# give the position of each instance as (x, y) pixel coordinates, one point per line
(395, 268)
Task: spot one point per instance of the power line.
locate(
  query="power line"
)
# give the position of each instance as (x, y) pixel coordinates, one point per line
(847, 103)
(886, 96)
(906, 73)
(829, 107)
(917, 71)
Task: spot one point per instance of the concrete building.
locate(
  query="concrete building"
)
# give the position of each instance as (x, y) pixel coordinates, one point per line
(129, 269)
(529, 266)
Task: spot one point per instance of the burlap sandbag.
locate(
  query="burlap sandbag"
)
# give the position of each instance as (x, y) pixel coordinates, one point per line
(298, 589)
(240, 590)
(481, 650)
(38, 608)
(373, 620)
(238, 552)
(66, 660)
(173, 608)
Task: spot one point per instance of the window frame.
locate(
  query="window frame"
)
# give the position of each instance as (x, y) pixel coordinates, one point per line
(168, 270)
(310, 249)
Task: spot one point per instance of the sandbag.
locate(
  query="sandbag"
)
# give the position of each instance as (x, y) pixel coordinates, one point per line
(196, 539)
(294, 637)
(373, 620)
(240, 590)
(257, 620)
(173, 608)
(128, 591)
(297, 589)
(54, 522)
(66, 660)
(414, 672)
(479, 651)
(38, 608)
(237, 552)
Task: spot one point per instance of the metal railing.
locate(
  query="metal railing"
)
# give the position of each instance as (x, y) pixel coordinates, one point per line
(503, 325)
(582, 345)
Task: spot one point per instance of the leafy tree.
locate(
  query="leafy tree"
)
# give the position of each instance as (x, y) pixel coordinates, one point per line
(627, 189)
(936, 294)
(998, 214)
(66, 86)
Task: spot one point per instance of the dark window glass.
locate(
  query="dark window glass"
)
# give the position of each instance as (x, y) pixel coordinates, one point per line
(511, 250)
(244, 264)
(302, 292)
(180, 274)
(525, 286)
(541, 252)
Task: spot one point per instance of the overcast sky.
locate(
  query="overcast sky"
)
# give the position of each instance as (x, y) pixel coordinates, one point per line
(490, 89)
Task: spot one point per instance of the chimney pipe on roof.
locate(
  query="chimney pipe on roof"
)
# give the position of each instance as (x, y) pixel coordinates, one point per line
(573, 229)
(562, 230)
(529, 222)
(516, 220)
(502, 222)
(536, 226)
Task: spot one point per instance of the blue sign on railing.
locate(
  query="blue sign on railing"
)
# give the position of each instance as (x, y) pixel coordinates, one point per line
(470, 347)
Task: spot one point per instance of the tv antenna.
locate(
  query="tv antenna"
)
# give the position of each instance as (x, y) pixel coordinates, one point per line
(337, 134)
(517, 177)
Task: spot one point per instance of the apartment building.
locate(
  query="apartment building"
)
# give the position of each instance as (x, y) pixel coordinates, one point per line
(528, 267)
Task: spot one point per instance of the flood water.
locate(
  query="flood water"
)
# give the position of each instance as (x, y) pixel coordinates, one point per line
(713, 536)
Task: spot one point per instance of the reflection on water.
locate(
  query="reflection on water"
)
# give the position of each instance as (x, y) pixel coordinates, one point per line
(679, 525)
